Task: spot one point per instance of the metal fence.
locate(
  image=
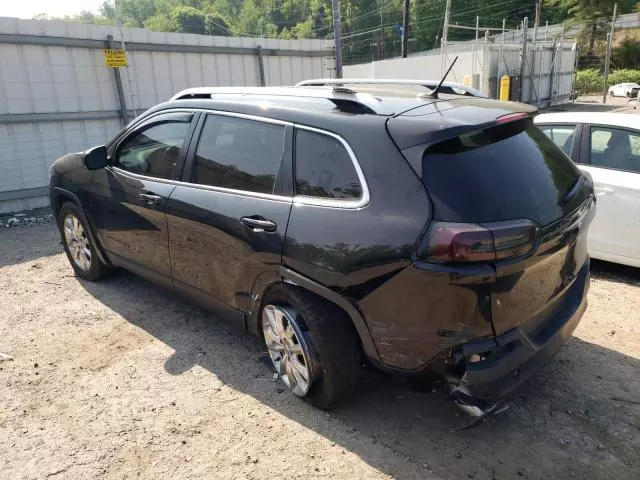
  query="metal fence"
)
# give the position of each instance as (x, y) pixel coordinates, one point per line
(544, 70)
(57, 95)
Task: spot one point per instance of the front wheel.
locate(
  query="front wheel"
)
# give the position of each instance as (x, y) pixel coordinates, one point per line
(312, 344)
(80, 250)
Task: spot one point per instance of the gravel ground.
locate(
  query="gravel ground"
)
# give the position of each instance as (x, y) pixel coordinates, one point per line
(120, 379)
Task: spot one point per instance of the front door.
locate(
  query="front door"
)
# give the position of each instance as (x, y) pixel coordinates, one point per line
(614, 156)
(129, 197)
(227, 227)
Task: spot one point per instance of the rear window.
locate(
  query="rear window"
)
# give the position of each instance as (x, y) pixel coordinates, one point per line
(511, 171)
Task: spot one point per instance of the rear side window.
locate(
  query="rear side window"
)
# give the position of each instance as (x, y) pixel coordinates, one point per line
(508, 172)
(561, 135)
(324, 168)
(239, 154)
(613, 148)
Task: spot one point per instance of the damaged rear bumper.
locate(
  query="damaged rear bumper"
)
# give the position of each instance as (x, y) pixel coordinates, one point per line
(486, 372)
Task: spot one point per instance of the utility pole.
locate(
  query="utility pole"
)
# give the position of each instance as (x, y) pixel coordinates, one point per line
(405, 28)
(337, 36)
(523, 55)
(445, 29)
(537, 21)
(443, 40)
(608, 57)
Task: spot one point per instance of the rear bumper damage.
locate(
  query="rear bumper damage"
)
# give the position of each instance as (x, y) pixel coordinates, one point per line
(484, 373)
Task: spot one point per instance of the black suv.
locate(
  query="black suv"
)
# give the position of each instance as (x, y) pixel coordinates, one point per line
(414, 232)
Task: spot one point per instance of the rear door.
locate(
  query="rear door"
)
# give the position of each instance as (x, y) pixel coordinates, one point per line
(612, 157)
(130, 196)
(227, 219)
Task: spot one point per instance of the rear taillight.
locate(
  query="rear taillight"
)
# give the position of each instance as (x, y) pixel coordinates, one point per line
(447, 242)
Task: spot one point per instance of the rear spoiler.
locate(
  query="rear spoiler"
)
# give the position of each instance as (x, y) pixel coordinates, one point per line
(431, 124)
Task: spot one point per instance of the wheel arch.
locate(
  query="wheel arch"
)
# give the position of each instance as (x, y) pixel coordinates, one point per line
(286, 276)
(60, 196)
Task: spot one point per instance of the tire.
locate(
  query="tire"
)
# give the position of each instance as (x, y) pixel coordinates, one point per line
(328, 339)
(80, 250)
(611, 94)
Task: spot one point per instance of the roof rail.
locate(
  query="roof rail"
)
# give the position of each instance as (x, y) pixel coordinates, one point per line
(336, 94)
(447, 87)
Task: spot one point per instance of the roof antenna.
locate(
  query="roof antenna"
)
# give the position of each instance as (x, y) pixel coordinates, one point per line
(434, 93)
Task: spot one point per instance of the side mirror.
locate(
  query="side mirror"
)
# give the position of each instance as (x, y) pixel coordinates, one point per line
(96, 158)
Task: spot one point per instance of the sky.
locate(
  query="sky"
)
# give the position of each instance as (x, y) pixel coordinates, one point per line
(54, 8)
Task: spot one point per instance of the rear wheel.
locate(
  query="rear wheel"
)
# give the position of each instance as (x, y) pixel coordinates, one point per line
(312, 345)
(77, 243)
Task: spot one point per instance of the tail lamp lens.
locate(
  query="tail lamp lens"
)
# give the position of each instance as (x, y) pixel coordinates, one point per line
(448, 242)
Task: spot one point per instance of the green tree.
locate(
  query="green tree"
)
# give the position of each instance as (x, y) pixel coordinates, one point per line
(188, 19)
(594, 16)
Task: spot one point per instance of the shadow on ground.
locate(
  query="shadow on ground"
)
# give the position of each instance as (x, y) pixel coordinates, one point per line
(615, 272)
(594, 105)
(563, 424)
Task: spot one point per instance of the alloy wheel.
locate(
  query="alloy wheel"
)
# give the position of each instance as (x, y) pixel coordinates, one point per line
(77, 242)
(288, 348)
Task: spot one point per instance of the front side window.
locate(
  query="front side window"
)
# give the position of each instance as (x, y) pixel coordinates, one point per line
(154, 149)
(324, 168)
(614, 148)
(561, 135)
(239, 154)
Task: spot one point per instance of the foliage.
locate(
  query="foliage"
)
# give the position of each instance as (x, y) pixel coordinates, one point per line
(594, 16)
(371, 28)
(590, 80)
(626, 54)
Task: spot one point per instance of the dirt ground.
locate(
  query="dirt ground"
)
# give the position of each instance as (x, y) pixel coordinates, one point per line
(120, 379)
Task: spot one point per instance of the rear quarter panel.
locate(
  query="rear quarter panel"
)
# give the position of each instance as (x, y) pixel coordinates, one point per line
(365, 255)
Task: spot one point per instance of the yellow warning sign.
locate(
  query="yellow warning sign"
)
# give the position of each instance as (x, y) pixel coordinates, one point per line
(114, 58)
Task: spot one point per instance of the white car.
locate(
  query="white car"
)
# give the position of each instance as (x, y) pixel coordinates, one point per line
(607, 145)
(629, 90)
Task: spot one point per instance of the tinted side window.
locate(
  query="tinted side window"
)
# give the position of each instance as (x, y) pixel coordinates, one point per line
(324, 168)
(614, 148)
(561, 135)
(239, 154)
(154, 149)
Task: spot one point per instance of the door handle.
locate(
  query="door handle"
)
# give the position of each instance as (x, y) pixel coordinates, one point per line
(259, 224)
(150, 198)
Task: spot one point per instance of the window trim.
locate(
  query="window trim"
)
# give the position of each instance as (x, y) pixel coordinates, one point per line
(590, 127)
(361, 202)
(196, 128)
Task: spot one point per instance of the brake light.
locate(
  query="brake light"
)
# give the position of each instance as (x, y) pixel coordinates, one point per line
(511, 117)
(447, 242)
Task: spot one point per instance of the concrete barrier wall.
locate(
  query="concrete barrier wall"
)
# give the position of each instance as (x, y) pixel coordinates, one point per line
(57, 96)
